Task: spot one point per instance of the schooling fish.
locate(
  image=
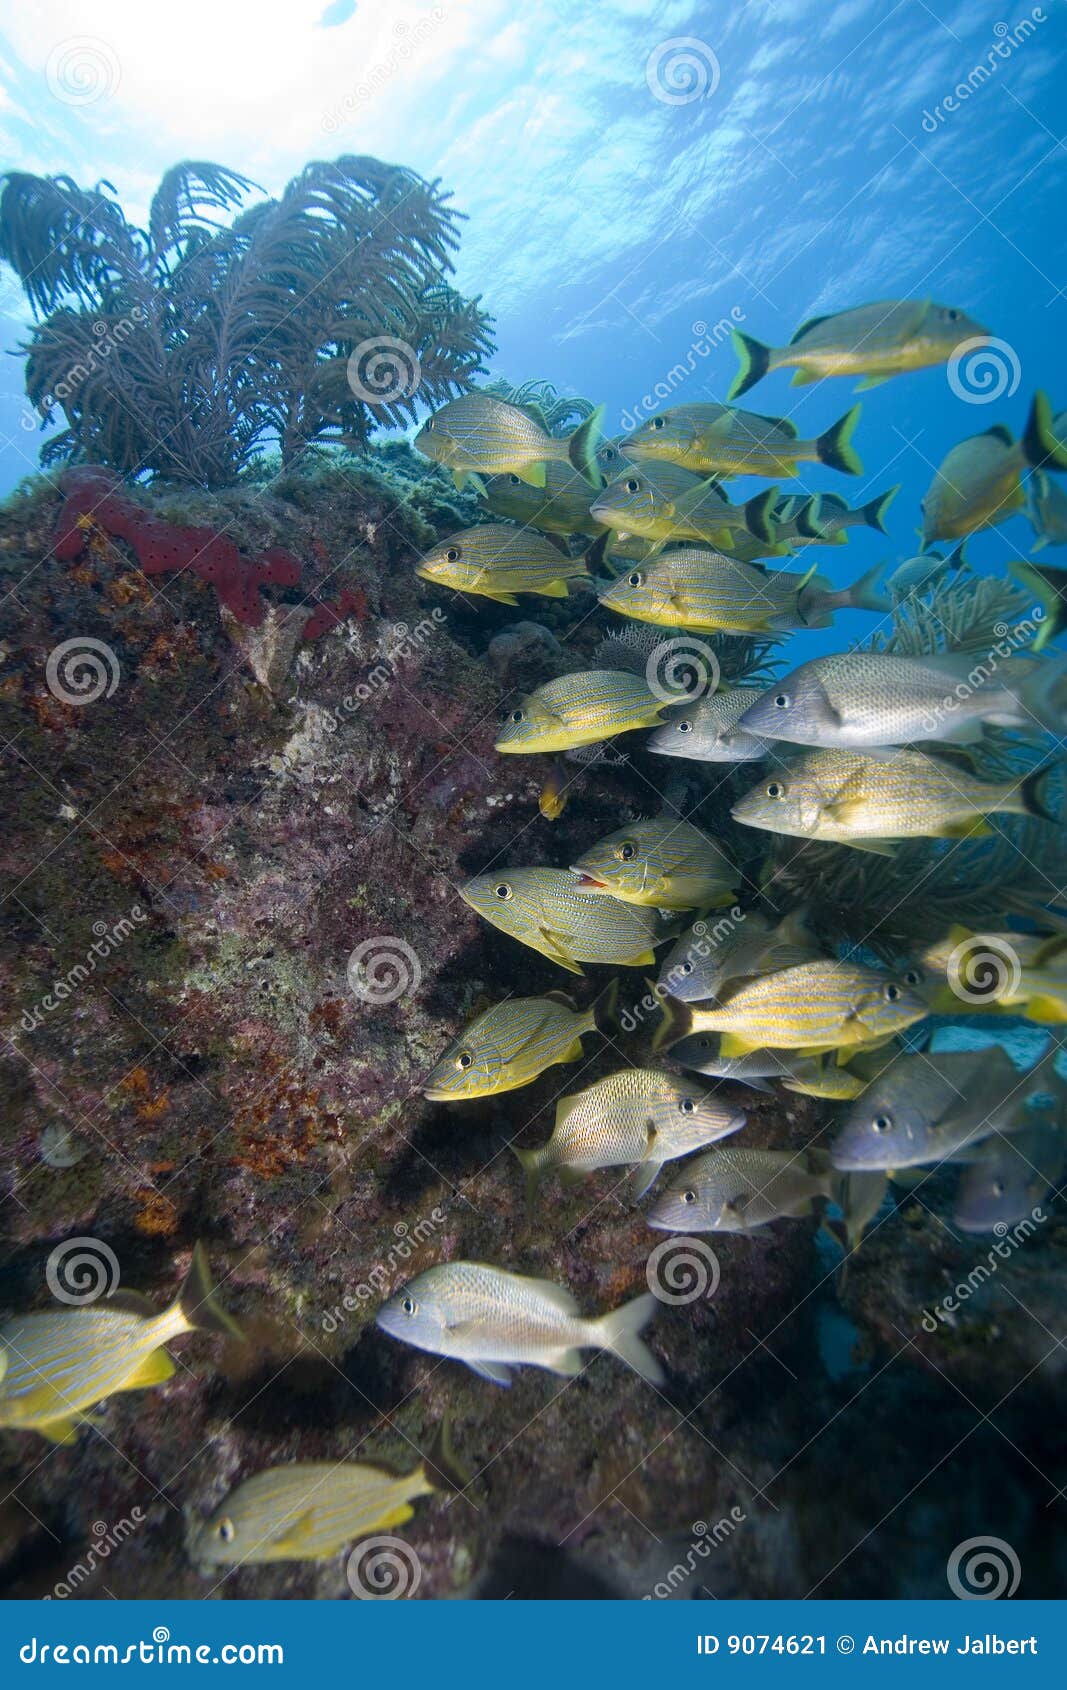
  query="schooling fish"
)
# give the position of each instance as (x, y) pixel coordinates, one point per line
(561, 506)
(859, 699)
(818, 599)
(732, 948)
(496, 562)
(662, 502)
(873, 341)
(642, 1116)
(308, 1510)
(722, 440)
(580, 709)
(919, 574)
(494, 1320)
(1008, 1178)
(979, 483)
(65, 1360)
(866, 798)
(733, 1189)
(827, 516)
(664, 863)
(809, 1075)
(930, 1107)
(706, 591)
(814, 1006)
(1021, 973)
(543, 908)
(1047, 510)
(704, 731)
(478, 434)
(1049, 587)
(511, 1044)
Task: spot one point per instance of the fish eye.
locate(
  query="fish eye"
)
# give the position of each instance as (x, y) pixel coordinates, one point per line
(776, 789)
(633, 486)
(998, 1188)
(657, 422)
(686, 1105)
(685, 968)
(514, 480)
(892, 992)
(689, 1196)
(635, 579)
(685, 726)
(503, 890)
(781, 701)
(452, 554)
(464, 1059)
(410, 1306)
(517, 716)
(609, 452)
(953, 316)
(427, 425)
(882, 1123)
(226, 1530)
(626, 851)
(913, 977)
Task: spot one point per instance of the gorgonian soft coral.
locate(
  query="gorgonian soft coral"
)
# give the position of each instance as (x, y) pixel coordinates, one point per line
(181, 349)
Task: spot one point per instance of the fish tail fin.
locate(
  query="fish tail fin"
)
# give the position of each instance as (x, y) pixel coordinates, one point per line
(198, 1300)
(753, 362)
(582, 446)
(1032, 794)
(620, 1332)
(532, 1163)
(864, 594)
(442, 1467)
(759, 515)
(874, 510)
(835, 447)
(602, 1009)
(594, 558)
(1047, 593)
(807, 518)
(676, 1022)
(956, 559)
(1039, 443)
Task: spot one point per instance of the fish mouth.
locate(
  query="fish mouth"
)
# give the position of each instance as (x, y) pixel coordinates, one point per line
(588, 882)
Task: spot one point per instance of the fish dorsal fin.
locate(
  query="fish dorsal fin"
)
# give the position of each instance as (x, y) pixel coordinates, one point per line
(566, 1107)
(1001, 432)
(132, 1302)
(811, 323)
(557, 1295)
(785, 424)
(564, 999)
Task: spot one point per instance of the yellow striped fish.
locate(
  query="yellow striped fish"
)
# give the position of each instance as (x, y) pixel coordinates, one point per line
(979, 483)
(815, 1006)
(638, 1115)
(874, 341)
(561, 506)
(664, 863)
(308, 1510)
(580, 709)
(543, 908)
(63, 1361)
(722, 440)
(511, 1044)
(495, 561)
(1014, 973)
(481, 434)
(694, 587)
(661, 501)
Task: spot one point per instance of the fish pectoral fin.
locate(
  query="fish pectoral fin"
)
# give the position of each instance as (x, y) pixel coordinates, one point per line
(573, 1053)
(567, 1362)
(979, 828)
(554, 947)
(804, 377)
(63, 1431)
(645, 1176)
(156, 1369)
(495, 1371)
(532, 474)
(293, 1534)
(1047, 1010)
(868, 382)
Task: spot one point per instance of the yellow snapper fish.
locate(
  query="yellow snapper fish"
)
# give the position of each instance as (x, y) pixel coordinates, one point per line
(874, 341)
(1049, 587)
(63, 1361)
(561, 506)
(735, 1189)
(663, 863)
(580, 709)
(1014, 973)
(543, 908)
(721, 440)
(496, 562)
(706, 591)
(979, 483)
(661, 502)
(511, 1044)
(479, 434)
(815, 1006)
(704, 731)
(1046, 511)
(494, 1320)
(824, 518)
(865, 799)
(308, 1510)
(639, 1116)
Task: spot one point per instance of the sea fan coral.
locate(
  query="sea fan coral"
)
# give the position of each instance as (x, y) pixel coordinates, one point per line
(182, 349)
